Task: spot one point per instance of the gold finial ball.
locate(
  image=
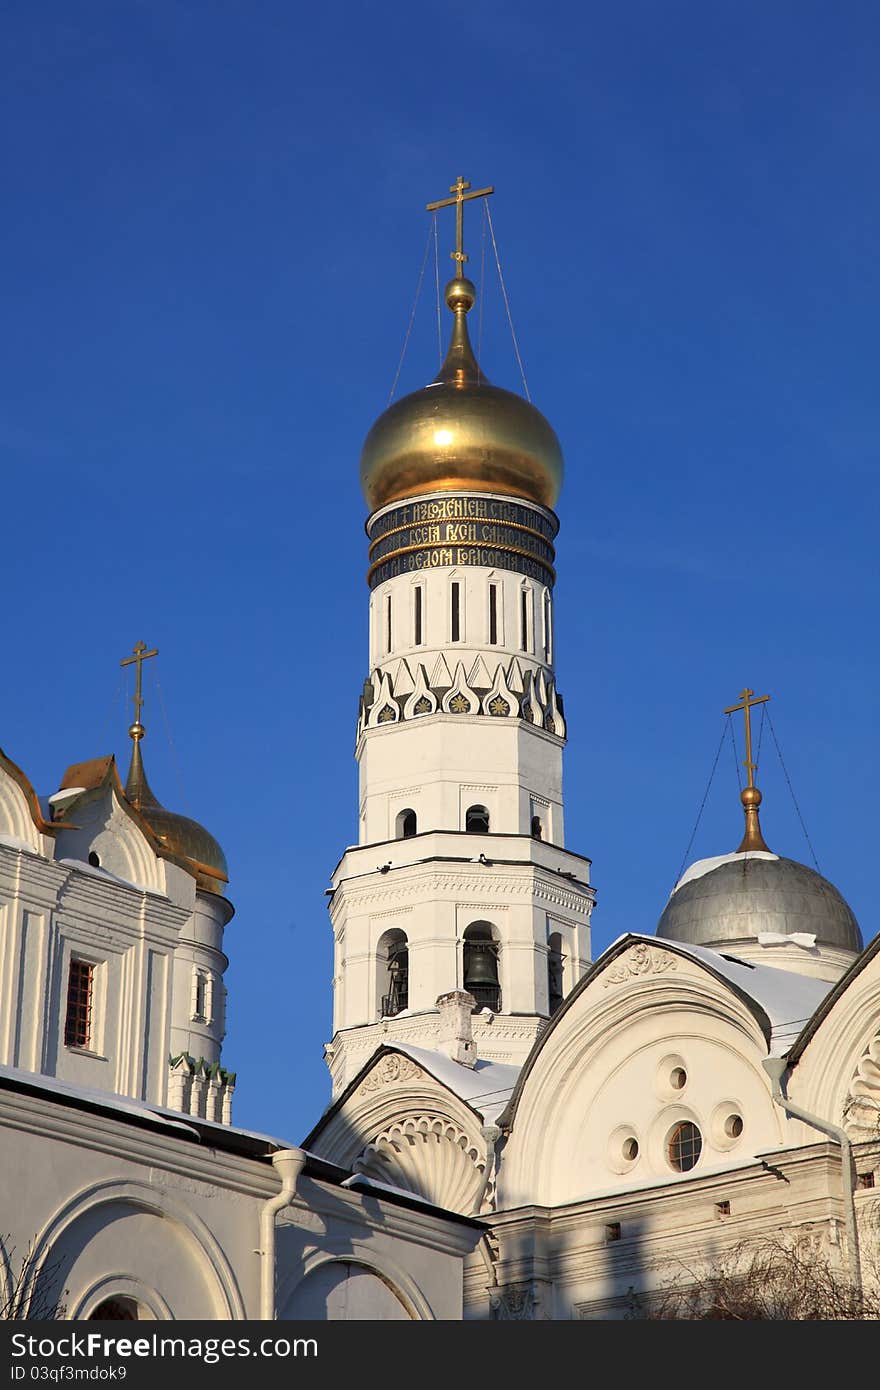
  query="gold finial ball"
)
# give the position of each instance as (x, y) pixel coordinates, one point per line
(750, 797)
(460, 294)
(136, 730)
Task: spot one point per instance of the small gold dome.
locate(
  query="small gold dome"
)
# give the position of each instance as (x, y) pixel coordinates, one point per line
(461, 434)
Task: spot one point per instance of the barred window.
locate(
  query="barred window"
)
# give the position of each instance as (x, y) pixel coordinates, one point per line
(78, 1021)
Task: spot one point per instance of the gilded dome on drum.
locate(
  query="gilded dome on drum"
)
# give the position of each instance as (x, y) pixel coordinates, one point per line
(184, 839)
(461, 434)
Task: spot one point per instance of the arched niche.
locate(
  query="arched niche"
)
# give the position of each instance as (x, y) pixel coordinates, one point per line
(480, 965)
(341, 1290)
(174, 1266)
(476, 820)
(392, 973)
(555, 971)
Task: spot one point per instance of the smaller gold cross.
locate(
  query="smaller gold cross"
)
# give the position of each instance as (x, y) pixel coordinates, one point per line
(138, 657)
(461, 197)
(746, 707)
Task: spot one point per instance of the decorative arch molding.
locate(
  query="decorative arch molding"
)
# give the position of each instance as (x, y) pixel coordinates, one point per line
(106, 824)
(16, 811)
(572, 1057)
(427, 1155)
(122, 1286)
(830, 1057)
(139, 1196)
(392, 1089)
(861, 1110)
(401, 1284)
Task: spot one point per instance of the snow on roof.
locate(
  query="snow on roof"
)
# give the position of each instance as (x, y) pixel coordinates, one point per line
(486, 1087)
(125, 1105)
(95, 871)
(13, 842)
(705, 866)
(789, 1000)
(91, 1096)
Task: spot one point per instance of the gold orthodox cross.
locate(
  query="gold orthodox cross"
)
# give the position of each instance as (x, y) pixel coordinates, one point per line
(746, 707)
(138, 657)
(461, 197)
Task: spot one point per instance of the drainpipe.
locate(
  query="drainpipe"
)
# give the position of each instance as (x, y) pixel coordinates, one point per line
(491, 1134)
(775, 1068)
(289, 1163)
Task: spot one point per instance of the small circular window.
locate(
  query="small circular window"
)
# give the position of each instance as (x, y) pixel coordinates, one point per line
(733, 1126)
(678, 1078)
(630, 1149)
(94, 859)
(684, 1146)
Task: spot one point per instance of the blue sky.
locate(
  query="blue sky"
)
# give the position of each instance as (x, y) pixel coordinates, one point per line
(212, 233)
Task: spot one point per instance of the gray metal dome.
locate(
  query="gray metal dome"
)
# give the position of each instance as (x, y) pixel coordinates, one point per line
(747, 895)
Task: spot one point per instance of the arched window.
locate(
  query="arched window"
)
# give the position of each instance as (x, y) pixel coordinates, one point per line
(555, 960)
(116, 1310)
(480, 973)
(476, 820)
(393, 972)
(406, 824)
(537, 828)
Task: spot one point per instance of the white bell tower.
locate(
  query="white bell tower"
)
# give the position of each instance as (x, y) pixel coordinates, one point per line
(460, 878)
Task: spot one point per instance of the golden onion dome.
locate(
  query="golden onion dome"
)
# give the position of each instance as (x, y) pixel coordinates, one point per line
(460, 433)
(183, 839)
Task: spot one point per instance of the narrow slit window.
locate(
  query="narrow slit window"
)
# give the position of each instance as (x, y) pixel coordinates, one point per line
(493, 615)
(524, 620)
(417, 616)
(202, 997)
(455, 615)
(548, 628)
(388, 623)
(78, 1019)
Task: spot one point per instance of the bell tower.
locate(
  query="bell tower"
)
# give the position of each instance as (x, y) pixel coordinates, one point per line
(460, 879)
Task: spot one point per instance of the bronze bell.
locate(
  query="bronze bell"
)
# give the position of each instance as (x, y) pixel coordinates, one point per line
(481, 967)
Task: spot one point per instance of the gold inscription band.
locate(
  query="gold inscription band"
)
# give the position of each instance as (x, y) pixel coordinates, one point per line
(432, 531)
(463, 533)
(413, 558)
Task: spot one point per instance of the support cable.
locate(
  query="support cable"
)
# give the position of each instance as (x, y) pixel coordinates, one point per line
(793, 797)
(506, 303)
(411, 317)
(705, 798)
(739, 780)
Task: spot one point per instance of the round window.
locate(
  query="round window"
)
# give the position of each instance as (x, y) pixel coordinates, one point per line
(630, 1149)
(678, 1078)
(733, 1126)
(684, 1146)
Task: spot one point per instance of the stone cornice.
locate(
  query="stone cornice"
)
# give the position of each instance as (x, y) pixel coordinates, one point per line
(525, 882)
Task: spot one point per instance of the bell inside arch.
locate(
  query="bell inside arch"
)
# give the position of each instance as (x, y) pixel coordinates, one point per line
(481, 973)
(481, 966)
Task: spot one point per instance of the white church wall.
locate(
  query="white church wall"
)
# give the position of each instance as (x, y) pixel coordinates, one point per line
(632, 1058)
(115, 1209)
(440, 764)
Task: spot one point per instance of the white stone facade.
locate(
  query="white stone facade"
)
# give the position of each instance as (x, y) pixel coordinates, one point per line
(461, 816)
(89, 892)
